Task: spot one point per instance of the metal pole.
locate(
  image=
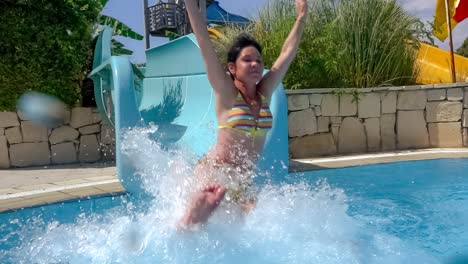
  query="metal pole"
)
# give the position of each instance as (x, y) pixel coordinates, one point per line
(145, 14)
(449, 25)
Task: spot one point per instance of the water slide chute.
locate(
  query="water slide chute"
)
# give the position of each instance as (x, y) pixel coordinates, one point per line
(174, 74)
(435, 66)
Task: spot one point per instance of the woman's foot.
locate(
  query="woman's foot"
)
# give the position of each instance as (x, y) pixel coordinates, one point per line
(203, 205)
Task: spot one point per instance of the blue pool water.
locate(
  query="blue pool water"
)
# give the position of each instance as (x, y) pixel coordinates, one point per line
(388, 213)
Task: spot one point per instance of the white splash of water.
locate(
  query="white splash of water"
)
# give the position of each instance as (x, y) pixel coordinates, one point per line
(291, 223)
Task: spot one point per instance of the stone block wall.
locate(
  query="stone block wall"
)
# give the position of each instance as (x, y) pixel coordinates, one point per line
(83, 138)
(322, 122)
(326, 122)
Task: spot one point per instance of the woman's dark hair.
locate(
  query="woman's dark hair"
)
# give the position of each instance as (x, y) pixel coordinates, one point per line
(242, 41)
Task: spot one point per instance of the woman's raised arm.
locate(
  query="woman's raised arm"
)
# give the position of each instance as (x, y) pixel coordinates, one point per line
(288, 52)
(216, 74)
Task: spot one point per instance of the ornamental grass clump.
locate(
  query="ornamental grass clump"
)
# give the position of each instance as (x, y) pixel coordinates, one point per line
(346, 43)
(372, 43)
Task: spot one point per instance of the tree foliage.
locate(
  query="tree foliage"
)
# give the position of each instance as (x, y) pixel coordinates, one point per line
(45, 45)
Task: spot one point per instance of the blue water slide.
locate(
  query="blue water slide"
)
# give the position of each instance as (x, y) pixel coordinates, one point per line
(175, 95)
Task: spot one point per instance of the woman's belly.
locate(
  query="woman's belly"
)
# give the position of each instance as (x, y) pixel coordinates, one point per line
(237, 147)
(231, 163)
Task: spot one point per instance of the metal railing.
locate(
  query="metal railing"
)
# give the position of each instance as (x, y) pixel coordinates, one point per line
(164, 17)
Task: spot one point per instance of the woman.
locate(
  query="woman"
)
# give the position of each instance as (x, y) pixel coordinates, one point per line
(242, 110)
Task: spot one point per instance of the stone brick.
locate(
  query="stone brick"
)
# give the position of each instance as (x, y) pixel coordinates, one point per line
(465, 118)
(455, 94)
(107, 134)
(348, 106)
(387, 131)
(436, 94)
(97, 118)
(465, 137)
(63, 153)
(29, 154)
(372, 126)
(67, 117)
(312, 146)
(389, 103)
(92, 129)
(369, 105)
(21, 116)
(315, 99)
(63, 134)
(318, 111)
(81, 116)
(445, 135)
(444, 111)
(302, 123)
(13, 135)
(330, 105)
(8, 119)
(352, 136)
(108, 152)
(412, 130)
(4, 158)
(90, 150)
(323, 124)
(411, 100)
(298, 102)
(33, 132)
(335, 129)
(465, 100)
(336, 120)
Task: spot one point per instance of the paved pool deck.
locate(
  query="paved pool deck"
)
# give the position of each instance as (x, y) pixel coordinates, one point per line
(21, 188)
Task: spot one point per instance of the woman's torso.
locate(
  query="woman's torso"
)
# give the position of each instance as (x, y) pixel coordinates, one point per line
(242, 130)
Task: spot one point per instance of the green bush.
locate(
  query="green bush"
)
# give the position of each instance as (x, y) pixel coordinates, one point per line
(346, 43)
(45, 45)
(374, 48)
(463, 49)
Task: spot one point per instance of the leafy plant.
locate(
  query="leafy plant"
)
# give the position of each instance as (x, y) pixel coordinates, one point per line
(48, 47)
(45, 46)
(171, 35)
(118, 29)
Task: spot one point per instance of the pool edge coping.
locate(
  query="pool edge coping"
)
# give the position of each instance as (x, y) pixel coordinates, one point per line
(351, 160)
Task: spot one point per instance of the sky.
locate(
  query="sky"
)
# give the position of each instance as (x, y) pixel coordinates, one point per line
(130, 12)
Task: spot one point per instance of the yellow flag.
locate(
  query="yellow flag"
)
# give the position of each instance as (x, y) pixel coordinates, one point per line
(440, 18)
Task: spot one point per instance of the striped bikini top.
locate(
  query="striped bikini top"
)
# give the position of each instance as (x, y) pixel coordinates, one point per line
(241, 117)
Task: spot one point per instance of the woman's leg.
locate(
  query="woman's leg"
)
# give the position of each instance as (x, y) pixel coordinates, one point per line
(202, 205)
(207, 195)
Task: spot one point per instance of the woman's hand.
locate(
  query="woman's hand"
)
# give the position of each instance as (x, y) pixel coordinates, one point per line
(301, 8)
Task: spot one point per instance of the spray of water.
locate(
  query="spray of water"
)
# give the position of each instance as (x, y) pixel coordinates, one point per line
(291, 223)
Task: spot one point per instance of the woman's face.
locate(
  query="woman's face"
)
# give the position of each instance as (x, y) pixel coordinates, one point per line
(248, 67)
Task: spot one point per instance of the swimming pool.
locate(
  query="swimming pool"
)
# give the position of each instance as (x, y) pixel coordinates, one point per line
(387, 213)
